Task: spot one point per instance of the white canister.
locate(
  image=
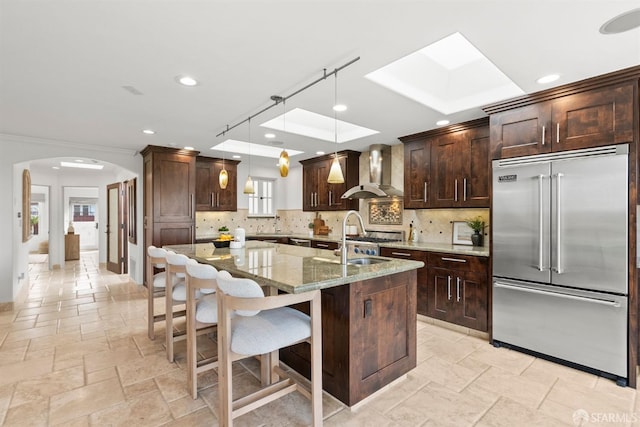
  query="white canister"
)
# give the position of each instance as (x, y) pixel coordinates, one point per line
(239, 236)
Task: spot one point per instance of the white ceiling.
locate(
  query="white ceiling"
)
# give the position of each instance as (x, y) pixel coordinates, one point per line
(63, 63)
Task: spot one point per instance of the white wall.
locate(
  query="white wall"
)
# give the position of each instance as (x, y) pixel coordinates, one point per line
(18, 152)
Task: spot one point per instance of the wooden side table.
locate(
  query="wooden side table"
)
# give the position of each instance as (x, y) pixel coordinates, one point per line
(71, 247)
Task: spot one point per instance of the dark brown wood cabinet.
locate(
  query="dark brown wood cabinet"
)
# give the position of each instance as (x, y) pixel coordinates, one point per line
(169, 196)
(448, 167)
(458, 289)
(368, 336)
(317, 193)
(422, 281)
(417, 166)
(321, 244)
(209, 195)
(565, 118)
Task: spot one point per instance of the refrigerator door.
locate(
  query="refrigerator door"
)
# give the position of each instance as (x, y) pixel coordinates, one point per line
(589, 223)
(587, 328)
(520, 226)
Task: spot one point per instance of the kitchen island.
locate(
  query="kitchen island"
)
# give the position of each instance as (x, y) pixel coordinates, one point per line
(368, 311)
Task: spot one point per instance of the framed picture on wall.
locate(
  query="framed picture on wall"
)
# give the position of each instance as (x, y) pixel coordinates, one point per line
(461, 233)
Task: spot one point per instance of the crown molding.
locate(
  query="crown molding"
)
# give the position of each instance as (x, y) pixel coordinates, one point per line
(68, 144)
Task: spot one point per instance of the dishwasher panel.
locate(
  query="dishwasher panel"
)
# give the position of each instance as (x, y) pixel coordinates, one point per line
(583, 327)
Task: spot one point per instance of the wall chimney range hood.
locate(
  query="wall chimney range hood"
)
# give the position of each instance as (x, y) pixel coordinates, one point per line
(379, 185)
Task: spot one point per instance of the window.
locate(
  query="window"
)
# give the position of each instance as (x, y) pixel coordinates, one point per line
(84, 213)
(262, 202)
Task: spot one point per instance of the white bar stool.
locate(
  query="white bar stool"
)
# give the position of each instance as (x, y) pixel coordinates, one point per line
(156, 284)
(202, 318)
(251, 324)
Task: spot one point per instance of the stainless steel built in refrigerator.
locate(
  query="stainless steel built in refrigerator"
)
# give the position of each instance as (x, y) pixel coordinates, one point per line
(560, 248)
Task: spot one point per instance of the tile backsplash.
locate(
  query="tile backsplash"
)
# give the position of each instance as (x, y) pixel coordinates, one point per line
(432, 225)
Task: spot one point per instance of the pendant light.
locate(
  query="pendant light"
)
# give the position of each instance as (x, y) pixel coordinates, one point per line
(223, 177)
(283, 162)
(248, 186)
(335, 173)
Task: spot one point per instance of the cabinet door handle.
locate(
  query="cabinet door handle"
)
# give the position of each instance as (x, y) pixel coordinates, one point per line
(311, 199)
(218, 202)
(192, 207)
(457, 289)
(453, 259)
(330, 203)
(464, 189)
(322, 245)
(558, 132)
(455, 191)
(400, 254)
(449, 288)
(543, 132)
(425, 191)
(212, 200)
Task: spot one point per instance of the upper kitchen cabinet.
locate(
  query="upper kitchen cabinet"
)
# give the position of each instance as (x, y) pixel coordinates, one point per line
(584, 114)
(448, 167)
(317, 193)
(417, 164)
(209, 195)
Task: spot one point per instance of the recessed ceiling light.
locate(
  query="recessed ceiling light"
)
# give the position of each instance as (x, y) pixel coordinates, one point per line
(449, 75)
(235, 146)
(55, 167)
(548, 78)
(319, 153)
(80, 165)
(624, 22)
(148, 131)
(269, 135)
(79, 160)
(314, 125)
(188, 148)
(340, 107)
(442, 122)
(236, 156)
(187, 81)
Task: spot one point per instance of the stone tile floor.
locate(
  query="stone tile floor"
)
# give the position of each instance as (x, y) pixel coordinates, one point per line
(76, 353)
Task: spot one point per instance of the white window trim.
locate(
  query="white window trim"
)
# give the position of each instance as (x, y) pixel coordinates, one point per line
(257, 179)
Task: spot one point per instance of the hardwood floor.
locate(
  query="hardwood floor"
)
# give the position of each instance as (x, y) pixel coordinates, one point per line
(76, 353)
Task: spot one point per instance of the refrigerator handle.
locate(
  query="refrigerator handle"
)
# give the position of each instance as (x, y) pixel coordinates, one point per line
(615, 304)
(540, 222)
(558, 268)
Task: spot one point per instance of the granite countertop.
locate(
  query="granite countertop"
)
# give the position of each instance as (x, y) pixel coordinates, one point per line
(292, 269)
(418, 246)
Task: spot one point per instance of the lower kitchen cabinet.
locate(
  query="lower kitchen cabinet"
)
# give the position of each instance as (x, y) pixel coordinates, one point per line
(458, 289)
(422, 281)
(321, 244)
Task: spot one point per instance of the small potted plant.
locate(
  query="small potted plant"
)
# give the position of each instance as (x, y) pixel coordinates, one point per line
(477, 225)
(310, 229)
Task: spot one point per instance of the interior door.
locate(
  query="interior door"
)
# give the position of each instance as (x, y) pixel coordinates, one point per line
(116, 226)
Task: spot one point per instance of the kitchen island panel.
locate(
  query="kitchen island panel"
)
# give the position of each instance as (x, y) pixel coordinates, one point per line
(369, 336)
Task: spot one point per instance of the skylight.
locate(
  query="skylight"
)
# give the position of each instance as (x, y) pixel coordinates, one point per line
(449, 75)
(242, 147)
(306, 123)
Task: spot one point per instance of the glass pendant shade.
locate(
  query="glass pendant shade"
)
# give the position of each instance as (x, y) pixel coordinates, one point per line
(335, 173)
(223, 178)
(283, 164)
(248, 186)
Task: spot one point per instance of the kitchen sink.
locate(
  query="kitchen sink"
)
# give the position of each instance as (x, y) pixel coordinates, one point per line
(366, 261)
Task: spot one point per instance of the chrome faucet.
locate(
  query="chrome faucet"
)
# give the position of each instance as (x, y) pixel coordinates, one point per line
(343, 254)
